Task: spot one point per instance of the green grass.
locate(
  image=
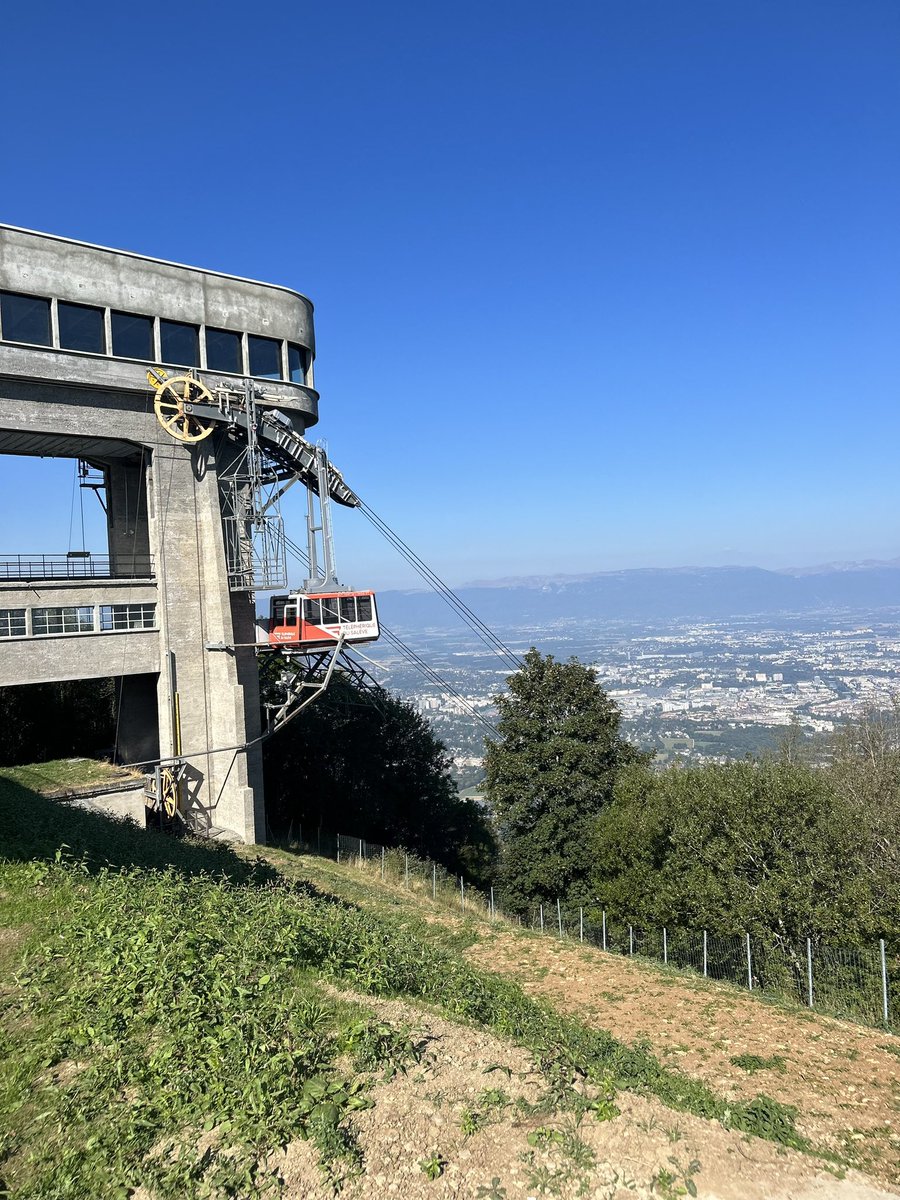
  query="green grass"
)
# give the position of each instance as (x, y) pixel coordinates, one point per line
(751, 1063)
(64, 774)
(167, 1024)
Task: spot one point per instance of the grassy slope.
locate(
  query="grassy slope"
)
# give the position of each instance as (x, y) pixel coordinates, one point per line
(65, 774)
(161, 988)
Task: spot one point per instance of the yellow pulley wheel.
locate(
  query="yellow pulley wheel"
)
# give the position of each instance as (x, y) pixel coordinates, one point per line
(168, 786)
(175, 399)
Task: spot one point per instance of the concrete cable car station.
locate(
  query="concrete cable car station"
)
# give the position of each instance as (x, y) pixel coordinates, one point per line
(185, 394)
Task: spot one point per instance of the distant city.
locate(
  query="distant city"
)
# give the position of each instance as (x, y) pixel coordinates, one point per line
(695, 689)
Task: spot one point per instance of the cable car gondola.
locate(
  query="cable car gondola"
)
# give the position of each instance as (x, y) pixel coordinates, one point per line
(316, 620)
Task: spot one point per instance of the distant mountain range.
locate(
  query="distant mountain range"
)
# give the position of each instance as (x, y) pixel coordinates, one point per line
(658, 593)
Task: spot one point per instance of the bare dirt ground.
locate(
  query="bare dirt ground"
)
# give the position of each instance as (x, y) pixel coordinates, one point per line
(844, 1079)
(646, 1151)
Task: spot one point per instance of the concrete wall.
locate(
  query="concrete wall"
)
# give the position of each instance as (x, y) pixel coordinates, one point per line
(116, 802)
(43, 264)
(79, 656)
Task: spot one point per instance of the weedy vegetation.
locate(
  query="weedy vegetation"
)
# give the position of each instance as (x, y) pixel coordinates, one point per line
(166, 1023)
(751, 1063)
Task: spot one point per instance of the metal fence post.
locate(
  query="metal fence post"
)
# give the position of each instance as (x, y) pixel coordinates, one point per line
(704, 955)
(559, 916)
(434, 881)
(337, 838)
(749, 966)
(361, 853)
(665, 946)
(382, 863)
(492, 904)
(884, 986)
(406, 869)
(631, 939)
(542, 918)
(462, 892)
(581, 924)
(604, 929)
(809, 983)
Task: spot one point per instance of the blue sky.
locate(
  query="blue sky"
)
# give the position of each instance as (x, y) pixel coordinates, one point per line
(597, 284)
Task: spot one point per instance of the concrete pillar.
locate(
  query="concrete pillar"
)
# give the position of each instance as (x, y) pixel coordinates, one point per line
(126, 516)
(137, 729)
(217, 690)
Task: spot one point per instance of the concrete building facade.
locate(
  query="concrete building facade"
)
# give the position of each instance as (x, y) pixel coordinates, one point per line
(79, 327)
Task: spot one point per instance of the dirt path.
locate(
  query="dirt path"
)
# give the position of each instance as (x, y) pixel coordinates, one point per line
(844, 1079)
(647, 1151)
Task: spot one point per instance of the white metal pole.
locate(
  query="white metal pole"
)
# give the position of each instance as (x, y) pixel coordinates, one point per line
(631, 939)
(434, 881)
(884, 986)
(665, 946)
(749, 966)
(382, 862)
(604, 929)
(705, 961)
(542, 918)
(581, 924)
(809, 982)
(559, 916)
(462, 891)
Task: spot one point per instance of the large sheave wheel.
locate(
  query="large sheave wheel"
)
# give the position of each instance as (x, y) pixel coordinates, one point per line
(175, 399)
(169, 792)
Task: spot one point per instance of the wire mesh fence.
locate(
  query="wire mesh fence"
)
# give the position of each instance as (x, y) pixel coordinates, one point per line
(857, 983)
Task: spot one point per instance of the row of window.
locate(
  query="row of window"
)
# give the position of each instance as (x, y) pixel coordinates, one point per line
(80, 618)
(327, 611)
(151, 339)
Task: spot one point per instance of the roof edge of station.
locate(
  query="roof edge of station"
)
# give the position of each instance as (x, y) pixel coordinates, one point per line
(166, 262)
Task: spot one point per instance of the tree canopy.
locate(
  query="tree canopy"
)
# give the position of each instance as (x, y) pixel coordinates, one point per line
(773, 846)
(549, 775)
(752, 846)
(368, 764)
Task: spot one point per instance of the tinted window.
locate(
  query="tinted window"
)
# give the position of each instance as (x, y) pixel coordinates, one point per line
(364, 607)
(265, 357)
(179, 343)
(132, 336)
(298, 361)
(223, 351)
(348, 608)
(313, 612)
(80, 327)
(330, 611)
(25, 318)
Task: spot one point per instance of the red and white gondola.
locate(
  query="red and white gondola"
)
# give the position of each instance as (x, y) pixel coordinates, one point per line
(316, 620)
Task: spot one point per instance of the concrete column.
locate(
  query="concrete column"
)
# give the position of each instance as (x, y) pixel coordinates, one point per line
(126, 515)
(218, 690)
(137, 735)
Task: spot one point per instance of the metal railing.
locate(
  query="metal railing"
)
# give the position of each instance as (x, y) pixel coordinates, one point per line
(75, 565)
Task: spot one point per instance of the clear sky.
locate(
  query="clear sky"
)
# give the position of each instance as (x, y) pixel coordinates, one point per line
(597, 284)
